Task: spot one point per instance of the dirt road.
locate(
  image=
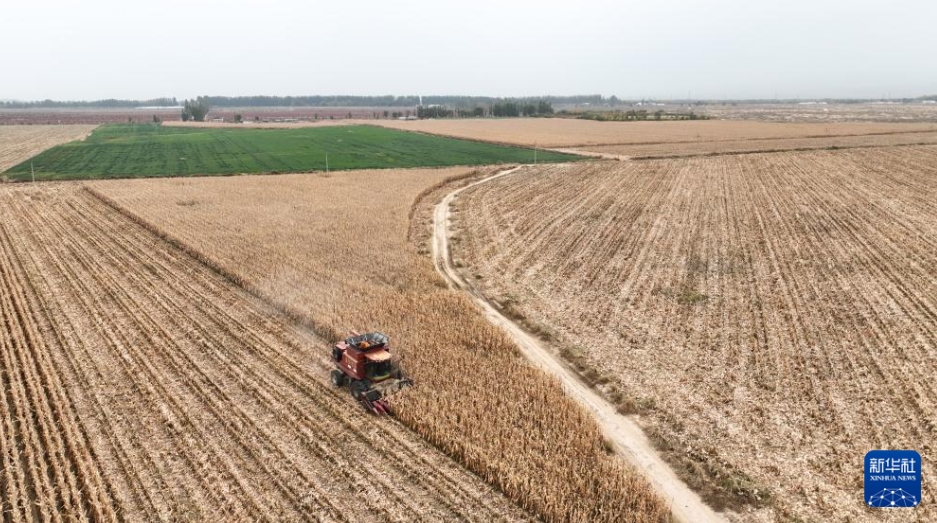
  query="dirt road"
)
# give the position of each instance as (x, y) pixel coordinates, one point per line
(623, 432)
(594, 154)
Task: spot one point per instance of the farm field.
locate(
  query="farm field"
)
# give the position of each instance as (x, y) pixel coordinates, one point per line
(139, 385)
(825, 112)
(138, 150)
(770, 317)
(333, 251)
(19, 143)
(565, 133)
(666, 150)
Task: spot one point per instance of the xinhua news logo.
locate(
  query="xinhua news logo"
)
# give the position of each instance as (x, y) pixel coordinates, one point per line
(892, 478)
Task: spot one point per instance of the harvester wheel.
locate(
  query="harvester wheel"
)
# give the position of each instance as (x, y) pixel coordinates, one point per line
(338, 378)
(358, 388)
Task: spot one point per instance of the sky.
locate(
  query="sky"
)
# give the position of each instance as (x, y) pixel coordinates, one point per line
(96, 49)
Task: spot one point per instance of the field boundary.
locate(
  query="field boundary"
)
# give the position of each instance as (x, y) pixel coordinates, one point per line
(563, 149)
(625, 436)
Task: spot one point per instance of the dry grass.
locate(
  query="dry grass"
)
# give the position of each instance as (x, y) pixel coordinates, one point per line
(139, 385)
(772, 315)
(19, 143)
(558, 132)
(334, 251)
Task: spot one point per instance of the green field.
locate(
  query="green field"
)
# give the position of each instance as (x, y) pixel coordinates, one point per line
(141, 150)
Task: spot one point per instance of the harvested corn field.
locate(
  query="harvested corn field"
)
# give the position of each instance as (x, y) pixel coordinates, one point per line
(333, 251)
(21, 142)
(715, 148)
(136, 384)
(770, 317)
(565, 132)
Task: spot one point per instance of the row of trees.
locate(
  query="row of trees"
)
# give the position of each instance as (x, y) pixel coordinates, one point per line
(109, 103)
(514, 108)
(505, 108)
(634, 115)
(455, 102)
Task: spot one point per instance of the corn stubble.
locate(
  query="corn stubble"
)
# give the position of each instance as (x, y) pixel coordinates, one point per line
(138, 385)
(568, 132)
(883, 138)
(773, 315)
(332, 251)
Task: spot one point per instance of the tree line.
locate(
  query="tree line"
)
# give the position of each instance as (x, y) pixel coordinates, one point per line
(503, 108)
(455, 102)
(109, 103)
(632, 115)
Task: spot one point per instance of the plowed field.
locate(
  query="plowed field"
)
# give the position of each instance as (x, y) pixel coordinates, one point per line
(136, 384)
(771, 317)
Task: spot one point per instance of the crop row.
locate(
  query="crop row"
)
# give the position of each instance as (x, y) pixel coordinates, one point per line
(715, 148)
(191, 400)
(771, 314)
(333, 252)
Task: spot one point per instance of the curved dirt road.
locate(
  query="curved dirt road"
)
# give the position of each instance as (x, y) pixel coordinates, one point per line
(625, 435)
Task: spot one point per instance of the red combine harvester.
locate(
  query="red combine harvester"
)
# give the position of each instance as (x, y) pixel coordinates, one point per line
(363, 361)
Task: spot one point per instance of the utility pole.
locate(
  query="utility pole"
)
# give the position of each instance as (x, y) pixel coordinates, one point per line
(326, 163)
(33, 171)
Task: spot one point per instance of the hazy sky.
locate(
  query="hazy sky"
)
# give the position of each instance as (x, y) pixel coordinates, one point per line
(96, 49)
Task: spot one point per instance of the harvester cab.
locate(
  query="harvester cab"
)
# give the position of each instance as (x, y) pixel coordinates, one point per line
(364, 363)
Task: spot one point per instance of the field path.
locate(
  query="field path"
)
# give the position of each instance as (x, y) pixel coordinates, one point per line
(594, 154)
(625, 435)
